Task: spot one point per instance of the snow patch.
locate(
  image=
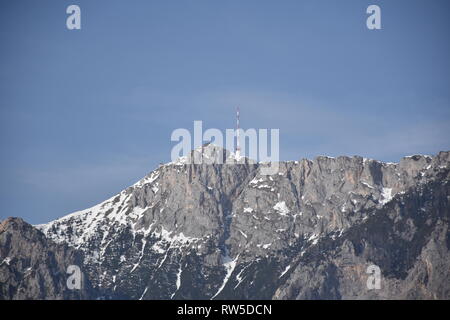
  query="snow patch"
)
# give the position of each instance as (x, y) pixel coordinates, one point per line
(239, 275)
(256, 181)
(284, 272)
(314, 238)
(386, 195)
(281, 208)
(367, 185)
(229, 265)
(143, 294)
(243, 234)
(178, 283)
(7, 260)
(144, 243)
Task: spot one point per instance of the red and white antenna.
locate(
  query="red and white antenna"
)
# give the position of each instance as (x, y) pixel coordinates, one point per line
(238, 148)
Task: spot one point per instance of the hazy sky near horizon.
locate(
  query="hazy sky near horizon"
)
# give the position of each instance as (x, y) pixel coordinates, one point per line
(86, 113)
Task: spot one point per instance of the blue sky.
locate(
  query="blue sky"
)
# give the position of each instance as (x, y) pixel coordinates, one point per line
(86, 113)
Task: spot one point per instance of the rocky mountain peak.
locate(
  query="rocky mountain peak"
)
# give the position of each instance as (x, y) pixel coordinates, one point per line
(211, 230)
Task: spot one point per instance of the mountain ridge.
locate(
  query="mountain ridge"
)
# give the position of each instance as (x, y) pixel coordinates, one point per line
(203, 231)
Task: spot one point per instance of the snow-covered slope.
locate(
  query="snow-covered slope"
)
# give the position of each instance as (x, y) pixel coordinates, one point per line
(196, 231)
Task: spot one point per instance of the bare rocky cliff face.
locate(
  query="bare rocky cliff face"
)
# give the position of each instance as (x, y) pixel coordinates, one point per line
(32, 267)
(225, 231)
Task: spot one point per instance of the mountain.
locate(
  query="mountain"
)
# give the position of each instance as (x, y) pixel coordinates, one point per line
(32, 267)
(225, 231)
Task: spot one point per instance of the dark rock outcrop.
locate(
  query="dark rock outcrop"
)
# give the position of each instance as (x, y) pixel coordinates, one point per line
(33, 267)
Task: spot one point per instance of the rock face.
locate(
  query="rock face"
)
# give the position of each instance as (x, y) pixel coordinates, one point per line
(225, 231)
(32, 267)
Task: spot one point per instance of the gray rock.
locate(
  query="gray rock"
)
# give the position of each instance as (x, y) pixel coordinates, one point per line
(32, 267)
(225, 231)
